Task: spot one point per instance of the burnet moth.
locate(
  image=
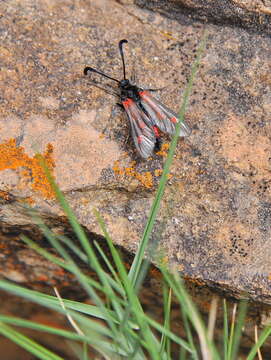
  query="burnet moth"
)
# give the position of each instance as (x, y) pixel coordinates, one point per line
(145, 113)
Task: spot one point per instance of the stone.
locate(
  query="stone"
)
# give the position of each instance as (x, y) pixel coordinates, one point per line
(214, 223)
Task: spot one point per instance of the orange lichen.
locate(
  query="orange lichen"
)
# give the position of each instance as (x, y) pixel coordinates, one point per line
(4, 195)
(164, 150)
(158, 172)
(168, 34)
(156, 273)
(14, 157)
(130, 171)
(42, 278)
(28, 200)
(116, 168)
(60, 272)
(146, 179)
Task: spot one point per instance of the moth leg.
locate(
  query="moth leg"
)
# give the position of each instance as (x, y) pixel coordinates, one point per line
(109, 91)
(158, 144)
(112, 115)
(133, 73)
(120, 106)
(158, 89)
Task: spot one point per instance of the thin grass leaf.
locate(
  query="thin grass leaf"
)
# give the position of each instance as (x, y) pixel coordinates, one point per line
(82, 279)
(133, 305)
(207, 349)
(230, 341)
(81, 351)
(69, 213)
(27, 343)
(40, 327)
(212, 317)
(75, 249)
(44, 300)
(243, 305)
(78, 230)
(91, 256)
(90, 253)
(182, 354)
(150, 342)
(165, 341)
(262, 338)
(115, 281)
(169, 334)
(57, 261)
(73, 324)
(70, 304)
(115, 255)
(85, 351)
(135, 268)
(108, 264)
(90, 337)
(68, 266)
(189, 337)
(167, 321)
(225, 329)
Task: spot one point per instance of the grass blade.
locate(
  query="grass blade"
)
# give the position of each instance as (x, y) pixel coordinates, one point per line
(136, 265)
(165, 341)
(148, 340)
(28, 344)
(225, 329)
(243, 305)
(262, 338)
(40, 327)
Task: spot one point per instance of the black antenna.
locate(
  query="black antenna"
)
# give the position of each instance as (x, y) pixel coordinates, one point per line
(122, 56)
(86, 69)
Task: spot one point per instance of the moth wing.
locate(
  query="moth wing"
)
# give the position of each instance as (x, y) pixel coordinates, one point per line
(164, 118)
(141, 128)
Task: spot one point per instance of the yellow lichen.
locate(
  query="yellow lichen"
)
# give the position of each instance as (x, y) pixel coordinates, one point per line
(146, 179)
(158, 172)
(4, 195)
(164, 150)
(14, 157)
(116, 168)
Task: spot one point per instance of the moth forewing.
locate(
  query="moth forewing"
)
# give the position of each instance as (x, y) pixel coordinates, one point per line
(163, 117)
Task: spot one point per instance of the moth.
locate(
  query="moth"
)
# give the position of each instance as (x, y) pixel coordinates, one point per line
(145, 113)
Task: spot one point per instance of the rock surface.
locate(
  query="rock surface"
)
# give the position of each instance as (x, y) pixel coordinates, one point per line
(253, 15)
(215, 219)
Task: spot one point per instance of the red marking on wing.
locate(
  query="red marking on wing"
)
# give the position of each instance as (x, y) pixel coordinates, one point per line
(141, 128)
(147, 97)
(161, 116)
(155, 130)
(143, 93)
(128, 102)
(142, 124)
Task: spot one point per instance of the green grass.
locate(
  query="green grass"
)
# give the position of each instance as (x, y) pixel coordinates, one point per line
(124, 331)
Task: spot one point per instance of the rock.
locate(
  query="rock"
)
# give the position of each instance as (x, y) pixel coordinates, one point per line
(252, 15)
(214, 223)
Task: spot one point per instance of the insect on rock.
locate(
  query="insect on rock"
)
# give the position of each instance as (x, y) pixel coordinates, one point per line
(146, 114)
